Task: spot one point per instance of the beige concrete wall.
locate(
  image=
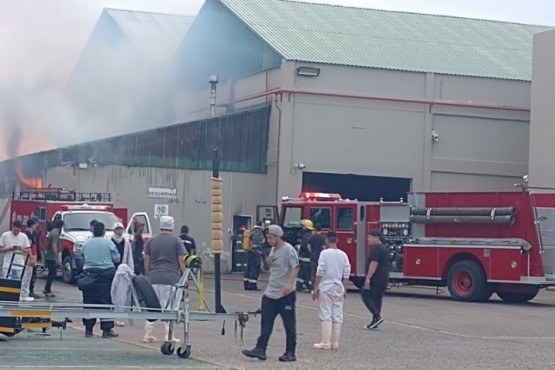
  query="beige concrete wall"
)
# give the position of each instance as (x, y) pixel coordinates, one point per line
(542, 127)
(380, 122)
(385, 128)
(129, 187)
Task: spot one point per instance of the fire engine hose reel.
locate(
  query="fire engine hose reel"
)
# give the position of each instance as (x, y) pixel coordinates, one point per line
(504, 215)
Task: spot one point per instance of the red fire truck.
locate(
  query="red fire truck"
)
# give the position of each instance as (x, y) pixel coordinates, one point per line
(77, 210)
(475, 243)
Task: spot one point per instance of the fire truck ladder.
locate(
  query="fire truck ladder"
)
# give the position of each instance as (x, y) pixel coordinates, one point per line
(177, 311)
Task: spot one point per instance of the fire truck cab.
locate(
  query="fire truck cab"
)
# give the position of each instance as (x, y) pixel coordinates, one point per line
(76, 210)
(476, 244)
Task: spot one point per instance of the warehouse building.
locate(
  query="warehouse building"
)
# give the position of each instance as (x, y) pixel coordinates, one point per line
(366, 103)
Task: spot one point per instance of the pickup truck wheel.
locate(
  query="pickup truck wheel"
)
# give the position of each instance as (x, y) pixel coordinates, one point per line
(467, 282)
(147, 295)
(67, 270)
(511, 297)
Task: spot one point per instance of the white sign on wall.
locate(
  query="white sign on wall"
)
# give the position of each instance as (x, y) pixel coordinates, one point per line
(161, 210)
(162, 193)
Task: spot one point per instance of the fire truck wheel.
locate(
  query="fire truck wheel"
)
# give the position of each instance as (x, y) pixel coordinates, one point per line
(67, 270)
(467, 282)
(518, 297)
(146, 294)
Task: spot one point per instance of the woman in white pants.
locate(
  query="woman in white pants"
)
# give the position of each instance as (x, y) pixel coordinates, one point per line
(330, 287)
(163, 263)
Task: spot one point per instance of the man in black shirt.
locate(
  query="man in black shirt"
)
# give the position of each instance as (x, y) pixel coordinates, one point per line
(377, 277)
(188, 242)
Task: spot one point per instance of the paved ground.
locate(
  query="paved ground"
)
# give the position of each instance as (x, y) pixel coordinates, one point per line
(423, 330)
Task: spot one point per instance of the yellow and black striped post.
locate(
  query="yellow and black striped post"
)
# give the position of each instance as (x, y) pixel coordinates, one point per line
(217, 228)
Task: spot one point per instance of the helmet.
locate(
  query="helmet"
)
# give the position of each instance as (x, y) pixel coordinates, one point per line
(307, 224)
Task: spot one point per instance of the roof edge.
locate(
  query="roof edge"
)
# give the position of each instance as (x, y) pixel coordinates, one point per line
(240, 19)
(416, 13)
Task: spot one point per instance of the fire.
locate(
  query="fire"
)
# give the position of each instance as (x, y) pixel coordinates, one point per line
(35, 183)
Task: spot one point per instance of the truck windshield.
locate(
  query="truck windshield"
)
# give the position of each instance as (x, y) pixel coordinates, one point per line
(292, 216)
(81, 221)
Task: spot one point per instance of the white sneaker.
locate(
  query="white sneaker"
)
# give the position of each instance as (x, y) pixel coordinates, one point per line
(27, 299)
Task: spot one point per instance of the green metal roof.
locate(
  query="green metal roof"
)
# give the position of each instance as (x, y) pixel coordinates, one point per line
(156, 34)
(373, 38)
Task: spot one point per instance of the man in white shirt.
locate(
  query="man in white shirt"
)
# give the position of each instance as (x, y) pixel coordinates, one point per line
(330, 288)
(14, 244)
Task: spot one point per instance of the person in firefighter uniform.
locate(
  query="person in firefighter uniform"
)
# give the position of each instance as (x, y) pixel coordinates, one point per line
(304, 278)
(330, 287)
(254, 258)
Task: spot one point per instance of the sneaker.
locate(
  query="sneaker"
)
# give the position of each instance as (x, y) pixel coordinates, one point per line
(255, 353)
(375, 323)
(88, 333)
(27, 299)
(109, 334)
(48, 295)
(35, 295)
(288, 357)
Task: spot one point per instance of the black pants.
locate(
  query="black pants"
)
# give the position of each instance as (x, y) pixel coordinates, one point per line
(373, 298)
(99, 293)
(304, 278)
(52, 273)
(285, 307)
(250, 277)
(33, 281)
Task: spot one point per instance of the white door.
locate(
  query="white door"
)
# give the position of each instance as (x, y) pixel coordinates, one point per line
(136, 218)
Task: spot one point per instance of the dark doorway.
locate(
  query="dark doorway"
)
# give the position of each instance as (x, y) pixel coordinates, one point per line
(364, 188)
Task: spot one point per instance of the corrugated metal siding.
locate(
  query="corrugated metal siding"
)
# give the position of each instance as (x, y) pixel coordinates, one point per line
(391, 40)
(242, 140)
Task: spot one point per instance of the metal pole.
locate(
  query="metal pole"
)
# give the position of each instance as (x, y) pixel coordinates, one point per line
(217, 261)
(213, 82)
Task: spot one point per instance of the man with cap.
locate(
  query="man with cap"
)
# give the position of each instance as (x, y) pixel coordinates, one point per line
(164, 262)
(377, 277)
(279, 296)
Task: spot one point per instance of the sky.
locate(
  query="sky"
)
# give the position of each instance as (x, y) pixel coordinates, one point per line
(42, 40)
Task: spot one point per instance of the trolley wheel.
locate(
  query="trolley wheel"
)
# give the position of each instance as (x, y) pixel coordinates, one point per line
(167, 348)
(184, 351)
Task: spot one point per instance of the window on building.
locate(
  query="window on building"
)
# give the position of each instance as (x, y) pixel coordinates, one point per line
(344, 219)
(321, 216)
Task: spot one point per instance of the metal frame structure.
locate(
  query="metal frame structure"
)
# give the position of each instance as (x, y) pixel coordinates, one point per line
(177, 311)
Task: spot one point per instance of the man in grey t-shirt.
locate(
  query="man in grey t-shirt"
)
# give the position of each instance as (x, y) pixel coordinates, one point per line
(163, 266)
(279, 296)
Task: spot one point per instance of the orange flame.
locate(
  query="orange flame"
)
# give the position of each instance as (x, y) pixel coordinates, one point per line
(34, 183)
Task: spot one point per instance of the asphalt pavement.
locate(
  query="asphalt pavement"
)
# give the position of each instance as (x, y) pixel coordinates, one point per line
(423, 329)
